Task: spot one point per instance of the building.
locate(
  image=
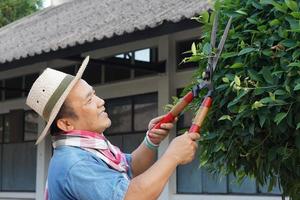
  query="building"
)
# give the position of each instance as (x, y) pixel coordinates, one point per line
(135, 49)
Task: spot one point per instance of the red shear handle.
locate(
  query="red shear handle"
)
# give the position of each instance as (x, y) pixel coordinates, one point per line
(176, 110)
(201, 114)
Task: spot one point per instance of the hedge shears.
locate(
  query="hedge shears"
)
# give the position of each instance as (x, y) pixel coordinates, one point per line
(206, 83)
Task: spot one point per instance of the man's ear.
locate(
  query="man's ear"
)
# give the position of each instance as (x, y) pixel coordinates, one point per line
(64, 124)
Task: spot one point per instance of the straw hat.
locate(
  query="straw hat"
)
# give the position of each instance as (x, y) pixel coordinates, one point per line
(49, 92)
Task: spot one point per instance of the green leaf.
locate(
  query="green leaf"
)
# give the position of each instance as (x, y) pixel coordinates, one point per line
(245, 51)
(236, 65)
(229, 54)
(298, 126)
(294, 64)
(241, 12)
(294, 24)
(207, 49)
(274, 22)
(267, 100)
(297, 87)
(194, 51)
(279, 117)
(225, 117)
(225, 80)
(262, 119)
(237, 80)
(292, 5)
(252, 21)
(296, 14)
(289, 43)
(280, 92)
(295, 55)
(267, 75)
(256, 105)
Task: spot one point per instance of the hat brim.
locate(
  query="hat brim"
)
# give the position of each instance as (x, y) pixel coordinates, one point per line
(62, 99)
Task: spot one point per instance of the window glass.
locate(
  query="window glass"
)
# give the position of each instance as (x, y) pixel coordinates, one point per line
(189, 177)
(1, 128)
(132, 141)
(120, 113)
(142, 55)
(29, 80)
(6, 128)
(145, 109)
(275, 190)
(213, 183)
(31, 126)
(19, 167)
(247, 186)
(116, 73)
(92, 74)
(13, 88)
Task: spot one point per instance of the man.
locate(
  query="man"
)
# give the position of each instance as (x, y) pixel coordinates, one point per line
(85, 166)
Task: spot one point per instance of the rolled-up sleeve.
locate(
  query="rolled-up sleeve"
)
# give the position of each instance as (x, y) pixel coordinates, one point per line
(94, 180)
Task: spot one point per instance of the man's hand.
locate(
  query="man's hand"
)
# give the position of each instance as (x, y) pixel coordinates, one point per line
(158, 135)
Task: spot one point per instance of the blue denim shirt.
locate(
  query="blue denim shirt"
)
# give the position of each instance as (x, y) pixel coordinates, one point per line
(77, 174)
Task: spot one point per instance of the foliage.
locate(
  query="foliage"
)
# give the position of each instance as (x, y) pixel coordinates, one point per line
(253, 127)
(11, 10)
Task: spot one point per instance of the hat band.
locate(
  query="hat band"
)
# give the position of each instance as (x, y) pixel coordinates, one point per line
(56, 95)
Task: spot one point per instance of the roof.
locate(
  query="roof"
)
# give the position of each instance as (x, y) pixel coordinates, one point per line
(78, 22)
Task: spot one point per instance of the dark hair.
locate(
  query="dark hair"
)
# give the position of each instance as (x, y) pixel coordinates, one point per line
(65, 111)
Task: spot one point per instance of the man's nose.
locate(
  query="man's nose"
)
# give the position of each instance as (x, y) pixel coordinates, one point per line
(100, 102)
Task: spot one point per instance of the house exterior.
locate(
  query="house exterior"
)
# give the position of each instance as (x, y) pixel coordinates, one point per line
(135, 48)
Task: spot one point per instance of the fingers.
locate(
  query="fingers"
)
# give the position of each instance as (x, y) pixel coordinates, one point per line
(194, 136)
(157, 119)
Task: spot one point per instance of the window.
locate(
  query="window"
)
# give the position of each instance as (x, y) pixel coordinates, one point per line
(1, 90)
(92, 74)
(148, 55)
(181, 47)
(130, 117)
(14, 88)
(29, 80)
(30, 126)
(194, 180)
(116, 73)
(17, 156)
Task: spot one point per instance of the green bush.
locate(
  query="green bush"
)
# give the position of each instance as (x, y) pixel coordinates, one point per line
(253, 127)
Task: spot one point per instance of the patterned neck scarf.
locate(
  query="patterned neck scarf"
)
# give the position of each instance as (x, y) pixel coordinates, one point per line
(95, 143)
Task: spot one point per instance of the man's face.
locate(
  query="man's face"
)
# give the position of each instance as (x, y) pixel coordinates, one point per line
(88, 107)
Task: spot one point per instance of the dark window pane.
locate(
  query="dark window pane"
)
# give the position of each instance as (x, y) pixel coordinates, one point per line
(185, 120)
(145, 109)
(68, 70)
(213, 184)
(120, 113)
(19, 167)
(116, 140)
(182, 47)
(189, 177)
(13, 88)
(132, 141)
(1, 128)
(6, 128)
(16, 117)
(115, 73)
(29, 80)
(31, 126)
(247, 186)
(92, 74)
(1, 90)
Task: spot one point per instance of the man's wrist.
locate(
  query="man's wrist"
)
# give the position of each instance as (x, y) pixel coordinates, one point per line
(150, 144)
